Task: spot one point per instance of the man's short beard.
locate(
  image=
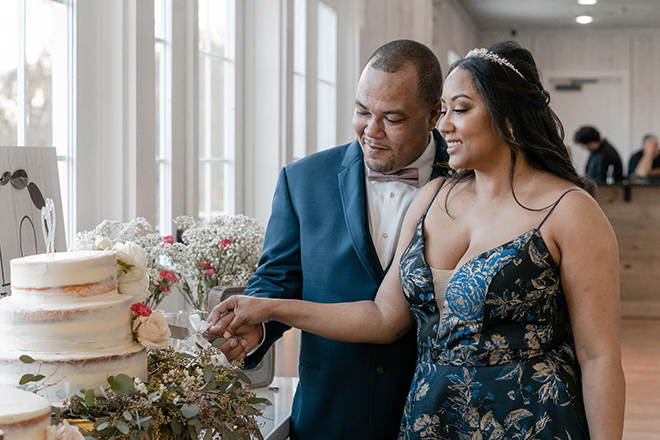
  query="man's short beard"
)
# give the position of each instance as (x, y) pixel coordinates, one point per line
(380, 167)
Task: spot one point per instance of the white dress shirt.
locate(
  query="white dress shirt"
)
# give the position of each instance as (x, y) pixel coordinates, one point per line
(389, 201)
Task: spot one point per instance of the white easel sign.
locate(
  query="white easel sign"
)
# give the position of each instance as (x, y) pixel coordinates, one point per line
(28, 177)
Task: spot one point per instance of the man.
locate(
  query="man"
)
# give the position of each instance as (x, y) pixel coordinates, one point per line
(331, 237)
(602, 155)
(645, 163)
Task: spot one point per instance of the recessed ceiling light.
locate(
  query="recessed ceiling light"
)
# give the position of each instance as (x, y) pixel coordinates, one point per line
(584, 19)
(587, 2)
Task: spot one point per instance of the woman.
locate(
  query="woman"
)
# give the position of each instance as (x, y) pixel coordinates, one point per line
(509, 269)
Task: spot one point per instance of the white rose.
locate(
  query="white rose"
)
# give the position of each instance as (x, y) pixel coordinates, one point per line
(102, 243)
(152, 331)
(131, 253)
(139, 289)
(64, 431)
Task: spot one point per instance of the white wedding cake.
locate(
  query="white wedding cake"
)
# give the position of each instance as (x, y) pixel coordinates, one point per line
(23, 415)
(65, 312)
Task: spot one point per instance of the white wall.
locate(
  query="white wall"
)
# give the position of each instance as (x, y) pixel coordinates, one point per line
(453, 29)
(382, 21)
(630, 54)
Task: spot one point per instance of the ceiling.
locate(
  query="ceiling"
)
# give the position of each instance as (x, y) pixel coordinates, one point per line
(520, 14)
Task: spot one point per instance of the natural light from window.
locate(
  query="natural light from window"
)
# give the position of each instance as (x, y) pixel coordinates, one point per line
(34, 82)
(217, 107)
(162, 26)
(326, 131)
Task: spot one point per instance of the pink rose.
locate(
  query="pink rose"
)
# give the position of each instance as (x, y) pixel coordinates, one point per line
(164, 287)
(64, 431)
(204, 264)
(167, 239)
(141, 309)
(152, 331)
(168, 275)
(225, 243)
(208, 272)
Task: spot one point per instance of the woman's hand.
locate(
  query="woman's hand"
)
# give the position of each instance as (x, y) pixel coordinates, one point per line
(246, 310)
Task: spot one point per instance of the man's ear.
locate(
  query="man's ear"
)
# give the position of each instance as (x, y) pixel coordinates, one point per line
(435, 114)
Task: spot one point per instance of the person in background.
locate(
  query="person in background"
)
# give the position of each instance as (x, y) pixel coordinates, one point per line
(602, 156)
(508, 270)
(333, 231)
(645, 163)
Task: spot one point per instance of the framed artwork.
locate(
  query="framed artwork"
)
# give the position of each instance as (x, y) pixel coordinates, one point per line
(28, 176)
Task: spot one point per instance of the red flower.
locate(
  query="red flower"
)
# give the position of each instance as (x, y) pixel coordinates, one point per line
(164, 287)
(225, 243)
(208, 272)
(168, 276)
(204, 264)
(167, 239)
(141, 309)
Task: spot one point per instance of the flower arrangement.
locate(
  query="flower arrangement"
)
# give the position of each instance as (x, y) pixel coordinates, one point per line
(186, 396)
(222, 251)
(140, 269)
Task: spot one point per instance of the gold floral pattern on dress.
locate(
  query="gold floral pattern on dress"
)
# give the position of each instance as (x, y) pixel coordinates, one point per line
(499, 361)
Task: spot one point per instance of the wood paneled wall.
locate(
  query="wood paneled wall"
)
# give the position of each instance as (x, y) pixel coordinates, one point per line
(637, 227)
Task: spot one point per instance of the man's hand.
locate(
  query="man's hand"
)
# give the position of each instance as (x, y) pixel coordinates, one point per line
(244, 337)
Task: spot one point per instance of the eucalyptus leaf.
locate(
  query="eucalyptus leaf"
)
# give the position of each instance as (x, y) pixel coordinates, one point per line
(57, 415)
(121, 384)
(89, 398)
(102, 426)
(208, 435)
(26, 359)
(60, 394)
(26, 378)
(191, 431)
(208, 373)
(189, 411)
(100, 421)
(123, 427)
(243, 377)
(218, 342)
(258, 400)
(38, 377)
(127, 415)
(176, 425)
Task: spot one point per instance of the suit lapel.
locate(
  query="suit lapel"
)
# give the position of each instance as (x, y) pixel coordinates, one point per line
(354, 204)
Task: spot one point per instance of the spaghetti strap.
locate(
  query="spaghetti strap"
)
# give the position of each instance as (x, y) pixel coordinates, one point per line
(553, 207)
(433, 199)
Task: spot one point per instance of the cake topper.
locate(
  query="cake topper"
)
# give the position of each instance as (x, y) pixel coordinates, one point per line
(48, 221)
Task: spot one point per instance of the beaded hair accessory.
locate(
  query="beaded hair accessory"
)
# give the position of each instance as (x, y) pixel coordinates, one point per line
(490, 56)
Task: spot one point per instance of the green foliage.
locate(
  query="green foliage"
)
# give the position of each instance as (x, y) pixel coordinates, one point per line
(186, 396)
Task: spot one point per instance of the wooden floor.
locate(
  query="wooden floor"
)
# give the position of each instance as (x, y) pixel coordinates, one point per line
(640, 339)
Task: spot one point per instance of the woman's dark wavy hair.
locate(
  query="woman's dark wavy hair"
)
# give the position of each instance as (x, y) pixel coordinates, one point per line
(519, 110)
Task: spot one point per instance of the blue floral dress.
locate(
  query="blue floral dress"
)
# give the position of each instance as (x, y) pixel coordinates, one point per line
(496, 357)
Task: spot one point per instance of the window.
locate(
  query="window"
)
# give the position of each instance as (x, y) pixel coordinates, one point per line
(162, 28)
(34, 82)
(323, 76)
(217, 107)
(299, 81)
(326, 131)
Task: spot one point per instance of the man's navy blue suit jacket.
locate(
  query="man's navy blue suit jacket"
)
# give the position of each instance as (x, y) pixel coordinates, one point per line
(318, 248)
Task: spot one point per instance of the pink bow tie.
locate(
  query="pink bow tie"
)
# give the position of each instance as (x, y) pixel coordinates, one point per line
(408, 176)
